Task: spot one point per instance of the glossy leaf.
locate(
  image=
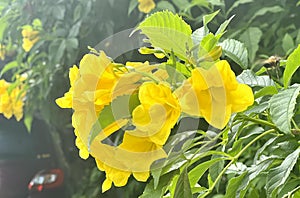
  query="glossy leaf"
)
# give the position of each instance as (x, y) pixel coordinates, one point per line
(282, 107)
(249, 78)
(112, 113)
(292, 64)
(279, 175)
(287, 42)
(196, 173)
(207, 18)
(168, 31)
(269, 90)
(183, 188)
(233, 185)
(236, 51)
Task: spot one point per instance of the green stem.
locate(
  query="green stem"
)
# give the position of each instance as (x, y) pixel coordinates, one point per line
(233, 160)
(262, 122)
(295, 124)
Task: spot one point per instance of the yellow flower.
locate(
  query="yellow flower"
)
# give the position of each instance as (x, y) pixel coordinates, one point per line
(154, 117)
(66, 100)
(2, 52)
(11, 103)
(157, 114)
(30, 37)
(214, 94)
(146, 5)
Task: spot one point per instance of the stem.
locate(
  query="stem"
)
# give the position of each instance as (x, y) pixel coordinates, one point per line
(295, 124)
(262, 122)
(233, 160)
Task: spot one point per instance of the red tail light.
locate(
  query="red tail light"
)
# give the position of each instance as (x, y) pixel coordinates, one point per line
(47, 179)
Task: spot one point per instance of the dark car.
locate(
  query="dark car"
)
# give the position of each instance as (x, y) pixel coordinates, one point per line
(28, 162)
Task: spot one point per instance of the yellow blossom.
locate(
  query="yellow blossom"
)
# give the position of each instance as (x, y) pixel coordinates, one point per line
(214, 94)
(66, 100)
(11, 103)
(30, 37)
(146, 5)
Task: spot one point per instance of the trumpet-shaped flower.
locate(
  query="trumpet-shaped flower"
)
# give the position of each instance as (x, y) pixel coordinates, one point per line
(30, 37)
(214, 94)
(11, 103)
(146, 5)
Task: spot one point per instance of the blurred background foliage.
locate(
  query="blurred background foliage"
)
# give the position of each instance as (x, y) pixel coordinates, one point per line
(67, 27)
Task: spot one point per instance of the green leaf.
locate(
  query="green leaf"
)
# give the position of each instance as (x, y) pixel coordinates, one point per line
(265, 10)
(253, 173)
(183, 188)
(233, 185)
(292, 64)
(236, 51)
(37, 24)
(132, 5)
(165, 5)
(282, 106)
(277, 177)
(112, 113)
(77, 12)
(75, 30)
(207, 18)
(287, 42)
(269, 90)
(151, 192)
(60, 51)
(9, 66)
(223, 26)
(290, 187)
(251, 38)
(168, 31)
(249, 78)
(207, 44)
(28, 122)
(198, 35)
(196, 173)
(237, 3)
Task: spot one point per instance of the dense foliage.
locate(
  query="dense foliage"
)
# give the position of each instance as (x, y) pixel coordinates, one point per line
(254, 152)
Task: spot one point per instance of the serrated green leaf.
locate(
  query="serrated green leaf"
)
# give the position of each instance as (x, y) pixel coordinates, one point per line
(251, 38)
(292, 64)
(287, 42)
(252, 174)
(183, 188)
(249, 78)
(236, 51)
(282, 106)
(9, 66)
(168, 31)
(209, 17)
(265, 10)
(196, 173)
(279, 175)
(233, 185)
(269, 90)
(237, 3)
(112, 113)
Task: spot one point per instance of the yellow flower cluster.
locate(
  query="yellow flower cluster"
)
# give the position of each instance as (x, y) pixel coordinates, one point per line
(11, 101)
(146, 5)
(213, 94)
(30, 37)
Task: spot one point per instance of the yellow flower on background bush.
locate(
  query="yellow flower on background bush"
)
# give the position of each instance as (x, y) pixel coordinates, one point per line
(2, 52)
(214, 94)
(11, 103)
(30, 37)
(146, 5)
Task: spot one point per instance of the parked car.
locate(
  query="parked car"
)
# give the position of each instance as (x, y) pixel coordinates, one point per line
(28, 162)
